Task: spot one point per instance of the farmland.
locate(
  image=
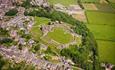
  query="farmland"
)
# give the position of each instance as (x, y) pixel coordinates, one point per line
(90, 1)
(106, 51)
(102, 25)
(113, 1)
(63, 2)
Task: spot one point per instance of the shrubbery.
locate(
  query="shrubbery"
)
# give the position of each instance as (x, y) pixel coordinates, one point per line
(11, 12)
(5, 64)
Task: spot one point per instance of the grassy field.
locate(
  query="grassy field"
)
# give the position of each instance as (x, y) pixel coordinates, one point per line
(60, 35)
(104, 32)
(95, 17)
(35, 31)
(105, 8)
(106, 50)
(90, 1)
(113, 1)
(89, 6)
(100, 7)
(63, 2)
(41, 21)
(102, 25)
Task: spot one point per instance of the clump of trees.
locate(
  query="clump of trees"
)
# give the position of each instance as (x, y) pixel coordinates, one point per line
(4, 40)
(11, 12)
(3, 32)
(5, 64)
(26, 4)
(36, 47)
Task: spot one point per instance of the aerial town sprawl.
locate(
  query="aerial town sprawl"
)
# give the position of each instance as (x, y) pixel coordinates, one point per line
(57, 34)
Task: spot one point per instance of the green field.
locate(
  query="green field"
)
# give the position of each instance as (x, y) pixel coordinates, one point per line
(35, 31)
(107, 51)
(113, 1)
(95, 17)
(102, 25)
(90, 1)
(105, 8)
(104, 32)
(60, 35)
(41, 21)
(63, 2)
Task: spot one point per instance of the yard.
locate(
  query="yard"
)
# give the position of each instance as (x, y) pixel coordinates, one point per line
(102, 25)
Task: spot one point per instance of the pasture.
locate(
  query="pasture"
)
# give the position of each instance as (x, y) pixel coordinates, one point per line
(103, 18)
(106, 51)
(104, 32)
(63, 2)
(90, 1)
(112, 1)
(102, 25)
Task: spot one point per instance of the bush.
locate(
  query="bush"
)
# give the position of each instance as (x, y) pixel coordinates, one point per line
(26, 4)
(11, 12)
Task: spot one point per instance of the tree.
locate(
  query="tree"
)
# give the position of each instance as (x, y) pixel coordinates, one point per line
(11, 12)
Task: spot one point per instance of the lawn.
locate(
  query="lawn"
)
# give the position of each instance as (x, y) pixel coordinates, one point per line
(41, 21)
(35, 31)
(106, 51)
(102, 25)
(63, 2)
(60, 35)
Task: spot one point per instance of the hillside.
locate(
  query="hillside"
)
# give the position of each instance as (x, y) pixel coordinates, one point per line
(56, 34)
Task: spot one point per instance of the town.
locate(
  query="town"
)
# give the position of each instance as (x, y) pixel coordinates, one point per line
(56, 34)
